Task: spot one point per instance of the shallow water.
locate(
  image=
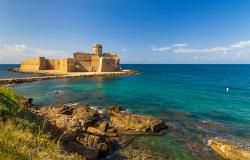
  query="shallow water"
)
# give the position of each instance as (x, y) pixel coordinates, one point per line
(183, 95)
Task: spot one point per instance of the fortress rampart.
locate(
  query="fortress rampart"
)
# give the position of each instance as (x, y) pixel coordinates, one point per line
(81, 62)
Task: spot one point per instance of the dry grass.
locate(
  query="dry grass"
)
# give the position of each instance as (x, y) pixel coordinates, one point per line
(21, 136)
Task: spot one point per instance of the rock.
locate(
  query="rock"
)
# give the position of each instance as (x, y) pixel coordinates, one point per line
(28, 102)
(93, 142)
(114, 109)
(100, 132)
(212, 125)
(89, 154)
(229, 151)
(103, 126)
(93, 134)
(61, 117)
(85, 114)
(139, 123)
(68, 136)
(61, 121)
(55, 110)
(94, 130)
(133, 152)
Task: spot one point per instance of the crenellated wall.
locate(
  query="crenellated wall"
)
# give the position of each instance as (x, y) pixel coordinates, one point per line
(82, 62)
(86, 62)
(110, 64)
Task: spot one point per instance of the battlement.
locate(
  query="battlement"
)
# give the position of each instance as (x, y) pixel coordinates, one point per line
(82, 62)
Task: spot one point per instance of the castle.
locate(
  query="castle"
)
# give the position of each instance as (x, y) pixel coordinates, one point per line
(82, 62)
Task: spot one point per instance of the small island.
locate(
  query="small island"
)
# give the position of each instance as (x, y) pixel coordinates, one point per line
(83, 64)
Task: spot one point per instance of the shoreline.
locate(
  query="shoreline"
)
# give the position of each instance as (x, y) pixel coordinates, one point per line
(60, 75)
(113, 129)
(95, 133)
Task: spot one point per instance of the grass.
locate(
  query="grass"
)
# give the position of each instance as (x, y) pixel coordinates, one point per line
(22, 137)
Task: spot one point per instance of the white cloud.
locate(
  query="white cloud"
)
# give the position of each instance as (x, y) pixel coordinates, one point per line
(204, 50)
(180, 45)
(235, 51)
(161, 49)
(16, 52)
(241, 44)
(124, 49)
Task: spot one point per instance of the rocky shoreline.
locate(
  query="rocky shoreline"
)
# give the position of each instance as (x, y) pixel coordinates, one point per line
(98, 134)
(94, 133)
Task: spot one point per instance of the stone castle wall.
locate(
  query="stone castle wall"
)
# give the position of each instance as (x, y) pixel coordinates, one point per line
(82, 62)
(86, 62)
(110, 64)
(34, 64)
(64, 64)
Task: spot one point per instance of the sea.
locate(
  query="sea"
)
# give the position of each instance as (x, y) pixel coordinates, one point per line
(197, 101)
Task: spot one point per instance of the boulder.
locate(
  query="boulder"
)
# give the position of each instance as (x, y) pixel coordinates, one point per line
(95, 131)
(114, 109)
(228, 150)
(139, 123)
(85, 114)
(54, 110)
(92, 142)
(99, 132)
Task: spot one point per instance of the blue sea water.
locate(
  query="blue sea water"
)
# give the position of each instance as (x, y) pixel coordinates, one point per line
(183, 95)
(4, 73)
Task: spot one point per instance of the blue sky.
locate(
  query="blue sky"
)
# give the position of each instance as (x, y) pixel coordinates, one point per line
(146, 31)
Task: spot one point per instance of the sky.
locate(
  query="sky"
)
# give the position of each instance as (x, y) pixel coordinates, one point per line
(140, 31)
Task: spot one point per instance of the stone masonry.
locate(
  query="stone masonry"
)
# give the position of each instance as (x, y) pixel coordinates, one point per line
(81, 62)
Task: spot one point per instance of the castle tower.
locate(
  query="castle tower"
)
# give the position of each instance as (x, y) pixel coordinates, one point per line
(97, 49)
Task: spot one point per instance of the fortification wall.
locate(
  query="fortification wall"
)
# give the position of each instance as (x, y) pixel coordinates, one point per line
(67, 65)
(34, 64)
(53, 64)
(86, 62)
(109, 64)
(82, 62)
(64, 64)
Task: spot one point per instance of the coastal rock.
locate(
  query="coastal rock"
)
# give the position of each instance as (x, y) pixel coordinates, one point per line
(91, 133)
(139, 123)
(54, 110)
(61, 117)
(82, 111)
(114, 109)
(92, 142)
(28, 102)
(89, 154)
(99, 132)
(103, 126)
(229, 151)
(95, 131)
(133, 152)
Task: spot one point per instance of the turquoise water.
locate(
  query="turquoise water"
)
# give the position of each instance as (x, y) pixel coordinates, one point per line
(183, 95)
(4, 73)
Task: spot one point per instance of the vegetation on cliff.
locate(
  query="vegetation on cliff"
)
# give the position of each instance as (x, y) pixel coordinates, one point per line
(21, 135)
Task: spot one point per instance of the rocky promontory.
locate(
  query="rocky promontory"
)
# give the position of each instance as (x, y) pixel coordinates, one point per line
(94, 133)
(229, 150)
